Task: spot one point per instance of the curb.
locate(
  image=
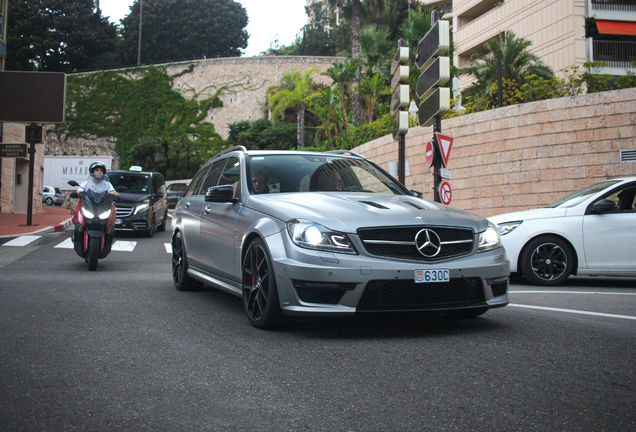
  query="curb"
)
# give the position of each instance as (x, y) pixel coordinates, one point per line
(62, 225)
(53, 228)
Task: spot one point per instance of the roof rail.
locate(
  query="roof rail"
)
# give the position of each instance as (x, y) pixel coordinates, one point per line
(227, 150)
(345, 152)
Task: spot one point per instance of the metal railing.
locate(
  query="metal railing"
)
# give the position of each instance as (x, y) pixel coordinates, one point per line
(617, 54)
(614, 5)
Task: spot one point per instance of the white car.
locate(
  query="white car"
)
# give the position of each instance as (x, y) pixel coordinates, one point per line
(591, 232)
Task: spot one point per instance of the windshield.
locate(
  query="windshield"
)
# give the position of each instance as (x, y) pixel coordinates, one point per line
(319, 173)
(130, 182)
(580, 196)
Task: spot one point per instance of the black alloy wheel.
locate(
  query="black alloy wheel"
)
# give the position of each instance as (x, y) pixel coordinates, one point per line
(180, 277)
(162, 227)
(547, 261)
(152, 228)
(260, 294)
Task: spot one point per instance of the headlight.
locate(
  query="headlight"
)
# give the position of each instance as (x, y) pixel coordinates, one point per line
(141, 208)
(489, 239)
(87, 214)
(508, 227)
(105, 215)
(310, 235)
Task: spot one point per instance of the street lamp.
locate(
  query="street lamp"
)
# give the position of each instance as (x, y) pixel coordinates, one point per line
(141, 13)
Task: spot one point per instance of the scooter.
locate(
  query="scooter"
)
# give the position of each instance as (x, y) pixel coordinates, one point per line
(94, 221)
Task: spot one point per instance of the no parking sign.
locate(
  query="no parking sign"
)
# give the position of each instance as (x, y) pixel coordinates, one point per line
(445, 192)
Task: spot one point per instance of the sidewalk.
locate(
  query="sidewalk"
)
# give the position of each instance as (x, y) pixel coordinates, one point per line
(51, 219)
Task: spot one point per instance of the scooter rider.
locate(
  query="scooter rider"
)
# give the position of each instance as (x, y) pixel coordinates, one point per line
(98, 180)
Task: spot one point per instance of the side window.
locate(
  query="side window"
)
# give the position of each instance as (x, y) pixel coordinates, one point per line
(231, 174)
(195, 184)
(624, 199)
(213, 176)
(160, 184)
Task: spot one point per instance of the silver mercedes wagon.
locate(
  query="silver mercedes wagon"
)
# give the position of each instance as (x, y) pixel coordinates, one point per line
(330, 234)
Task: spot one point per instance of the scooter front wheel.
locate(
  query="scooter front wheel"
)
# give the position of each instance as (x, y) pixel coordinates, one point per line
(93, 252)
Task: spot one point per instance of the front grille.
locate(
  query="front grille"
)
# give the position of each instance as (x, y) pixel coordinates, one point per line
(399, 242)
(123, 212)
(499, 289)
(390, 295)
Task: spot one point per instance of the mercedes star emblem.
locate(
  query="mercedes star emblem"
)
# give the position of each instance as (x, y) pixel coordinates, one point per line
(428, 243)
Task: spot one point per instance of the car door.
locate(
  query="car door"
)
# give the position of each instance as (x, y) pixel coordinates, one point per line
(610, 239)
(219, 247)
(189, 216)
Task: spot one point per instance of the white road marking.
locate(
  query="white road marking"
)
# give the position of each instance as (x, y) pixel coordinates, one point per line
(627, 317)
(66, 244)
(122, 246)
(22, 240)
(168, 247)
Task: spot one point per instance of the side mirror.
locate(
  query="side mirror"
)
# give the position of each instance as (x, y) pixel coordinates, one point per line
(73, 194)
(158, 194)
(73, 183)
(603, 206)
(416, 193)
(223, 193)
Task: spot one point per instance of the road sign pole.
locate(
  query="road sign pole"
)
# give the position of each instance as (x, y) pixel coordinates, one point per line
(402, 158)
(33, 136)
(437, 127)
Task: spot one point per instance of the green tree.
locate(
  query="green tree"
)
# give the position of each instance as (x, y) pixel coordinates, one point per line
(296, 91)
(151, 123)
(372, 89)
(184, 29)
(517, 63)
(376, 50)
(57, 36)
(356, 10)
(342, 75)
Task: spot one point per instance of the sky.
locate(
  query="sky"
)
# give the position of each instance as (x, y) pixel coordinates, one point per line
(268, 20)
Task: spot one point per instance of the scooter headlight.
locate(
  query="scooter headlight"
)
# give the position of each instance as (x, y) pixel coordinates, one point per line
(87, 214)
(105, 215)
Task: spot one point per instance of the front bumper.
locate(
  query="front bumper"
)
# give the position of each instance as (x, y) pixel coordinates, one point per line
(319, 283)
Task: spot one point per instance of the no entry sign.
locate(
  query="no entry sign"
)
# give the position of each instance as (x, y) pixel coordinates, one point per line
(430, 154)
(445, 193)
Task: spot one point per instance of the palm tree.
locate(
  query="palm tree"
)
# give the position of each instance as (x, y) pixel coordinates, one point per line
(356, 9)
(517, 64)
(296, 91)
(342, 75)
(373, 89)
(376, 50)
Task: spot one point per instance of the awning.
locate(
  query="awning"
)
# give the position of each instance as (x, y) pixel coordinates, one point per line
(626, 28)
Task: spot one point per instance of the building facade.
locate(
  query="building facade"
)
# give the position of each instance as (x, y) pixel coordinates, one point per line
(564, 33)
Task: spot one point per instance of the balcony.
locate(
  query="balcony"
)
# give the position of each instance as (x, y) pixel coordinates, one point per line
(617, 54)
(617, 10)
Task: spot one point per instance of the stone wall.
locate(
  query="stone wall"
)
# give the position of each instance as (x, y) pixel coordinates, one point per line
(245, 81)
(524, 156)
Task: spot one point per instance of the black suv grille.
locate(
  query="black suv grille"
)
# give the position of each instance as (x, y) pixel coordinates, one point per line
(390, 295)
(123, 212)
(400, 243)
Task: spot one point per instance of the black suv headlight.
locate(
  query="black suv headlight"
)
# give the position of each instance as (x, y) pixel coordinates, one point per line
(310, 235)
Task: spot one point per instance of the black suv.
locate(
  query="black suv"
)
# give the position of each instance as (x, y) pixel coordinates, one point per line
(143, 206)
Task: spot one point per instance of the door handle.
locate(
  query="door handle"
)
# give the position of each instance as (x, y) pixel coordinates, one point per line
(188, 204)
(207, 209)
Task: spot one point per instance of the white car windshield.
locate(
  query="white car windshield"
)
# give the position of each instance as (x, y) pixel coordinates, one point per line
(578, 197)
(319, 173)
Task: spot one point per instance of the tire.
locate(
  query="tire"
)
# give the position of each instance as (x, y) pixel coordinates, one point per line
(93, 252)
(546, 261)
(260, 294)
(182, 281)
(162, 227)
(152, 229)
(49, 201)
(466, 313)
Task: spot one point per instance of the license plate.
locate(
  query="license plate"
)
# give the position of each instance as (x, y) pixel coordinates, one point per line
(118, 221)
(432, 275)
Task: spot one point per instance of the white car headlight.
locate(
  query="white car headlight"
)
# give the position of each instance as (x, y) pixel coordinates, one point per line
(141, 208)
(105, 215)
(508, 227)
(489, 239)
(87, 214)
(310, 235)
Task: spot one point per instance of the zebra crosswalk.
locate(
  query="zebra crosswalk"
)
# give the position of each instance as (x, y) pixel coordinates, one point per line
(118, 245)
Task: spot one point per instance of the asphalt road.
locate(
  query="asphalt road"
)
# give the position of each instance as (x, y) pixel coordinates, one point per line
(121, 349)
